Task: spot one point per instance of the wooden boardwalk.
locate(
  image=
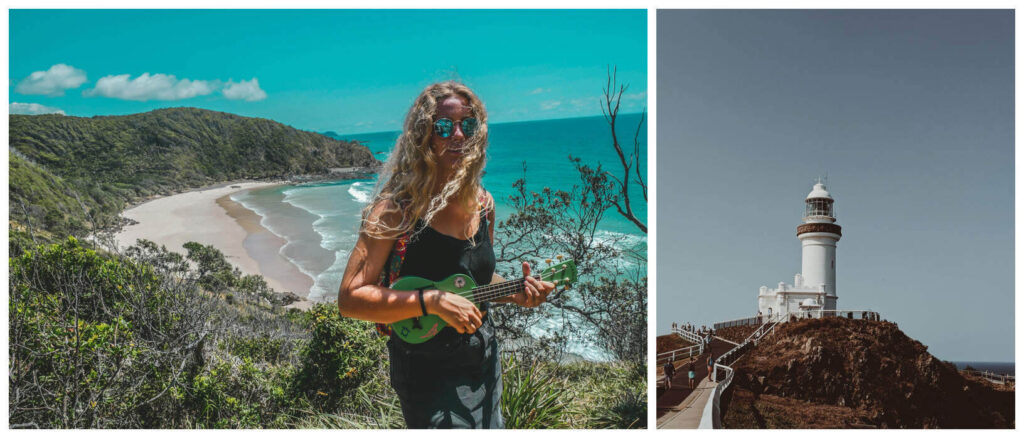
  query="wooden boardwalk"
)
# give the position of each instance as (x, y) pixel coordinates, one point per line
(687, 414)
(681, 407)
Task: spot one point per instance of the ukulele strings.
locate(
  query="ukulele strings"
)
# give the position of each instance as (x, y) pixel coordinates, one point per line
(488, 292)
(499, 290)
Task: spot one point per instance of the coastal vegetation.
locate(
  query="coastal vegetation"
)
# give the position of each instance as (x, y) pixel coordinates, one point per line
(149, 338)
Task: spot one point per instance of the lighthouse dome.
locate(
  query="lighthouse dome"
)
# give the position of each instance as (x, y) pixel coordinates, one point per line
(819, 192)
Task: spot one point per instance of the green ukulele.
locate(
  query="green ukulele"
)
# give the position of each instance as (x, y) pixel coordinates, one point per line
(421, 329)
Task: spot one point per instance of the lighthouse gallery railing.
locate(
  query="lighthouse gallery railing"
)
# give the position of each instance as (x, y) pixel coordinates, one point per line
(762, 319)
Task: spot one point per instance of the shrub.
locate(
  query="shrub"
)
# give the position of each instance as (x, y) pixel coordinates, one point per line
(233, 394)
(105, 341)
(96, 341)
(342, 355)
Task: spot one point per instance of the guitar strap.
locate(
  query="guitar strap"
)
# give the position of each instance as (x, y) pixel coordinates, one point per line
(392, 267)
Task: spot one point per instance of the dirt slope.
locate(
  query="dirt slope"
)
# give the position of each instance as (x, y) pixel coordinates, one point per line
(885, 379)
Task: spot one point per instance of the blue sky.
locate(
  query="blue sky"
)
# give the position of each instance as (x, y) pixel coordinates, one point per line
(346, 71)
(911, 115)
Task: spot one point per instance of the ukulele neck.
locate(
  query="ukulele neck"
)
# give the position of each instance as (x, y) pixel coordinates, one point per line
(493, 292)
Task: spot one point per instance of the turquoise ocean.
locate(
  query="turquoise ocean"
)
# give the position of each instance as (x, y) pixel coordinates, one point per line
(320, 221)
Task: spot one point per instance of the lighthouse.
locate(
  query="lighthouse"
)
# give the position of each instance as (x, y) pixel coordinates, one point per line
(814, 288)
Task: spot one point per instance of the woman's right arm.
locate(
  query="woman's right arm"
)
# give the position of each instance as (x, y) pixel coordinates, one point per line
(361, 297)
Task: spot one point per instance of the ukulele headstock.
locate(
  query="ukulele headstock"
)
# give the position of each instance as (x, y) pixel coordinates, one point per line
(562, 274)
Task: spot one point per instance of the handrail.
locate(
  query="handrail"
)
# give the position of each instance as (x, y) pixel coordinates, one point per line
(680, 354)
(870, 315)
(688, 335)
(1004, 379)
(757, 334)
(754, 320)
(711, 417)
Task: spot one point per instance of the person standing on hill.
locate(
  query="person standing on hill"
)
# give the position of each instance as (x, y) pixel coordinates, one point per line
(431, 218)
(670, 373)
(692, 375)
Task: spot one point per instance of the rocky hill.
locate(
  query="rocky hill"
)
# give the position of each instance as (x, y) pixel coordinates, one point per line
(837, 372)
(737, 333)
(69, 175)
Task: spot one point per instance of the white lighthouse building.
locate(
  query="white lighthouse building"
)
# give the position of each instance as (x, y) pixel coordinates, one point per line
(815, 287)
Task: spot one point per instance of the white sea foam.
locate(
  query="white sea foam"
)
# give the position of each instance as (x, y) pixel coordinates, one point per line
(336, 224)
(361, 192)
(249, 202)
(582, 345)
(621, 240)
(286, 248)
(293, 244)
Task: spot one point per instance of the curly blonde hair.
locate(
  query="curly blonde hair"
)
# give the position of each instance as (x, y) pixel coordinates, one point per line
(405, 187)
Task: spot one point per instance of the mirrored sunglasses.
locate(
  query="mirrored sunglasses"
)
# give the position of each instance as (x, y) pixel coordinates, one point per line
(445, 127)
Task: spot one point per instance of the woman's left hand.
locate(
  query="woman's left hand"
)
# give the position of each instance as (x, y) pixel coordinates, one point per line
(536, 290)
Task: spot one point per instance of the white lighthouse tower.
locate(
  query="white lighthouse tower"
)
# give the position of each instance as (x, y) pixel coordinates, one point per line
(815, 287)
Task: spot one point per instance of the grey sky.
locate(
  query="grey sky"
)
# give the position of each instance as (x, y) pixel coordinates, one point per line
(911, 115)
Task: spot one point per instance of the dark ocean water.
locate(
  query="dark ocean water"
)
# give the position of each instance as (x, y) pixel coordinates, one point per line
(994, 367)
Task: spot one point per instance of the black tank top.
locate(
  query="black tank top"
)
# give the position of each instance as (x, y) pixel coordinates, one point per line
(436, 256)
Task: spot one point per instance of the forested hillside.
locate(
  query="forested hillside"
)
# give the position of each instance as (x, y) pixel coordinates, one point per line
(69, 175)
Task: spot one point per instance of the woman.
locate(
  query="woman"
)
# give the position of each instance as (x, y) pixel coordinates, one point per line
(692, 374)
(431, 218)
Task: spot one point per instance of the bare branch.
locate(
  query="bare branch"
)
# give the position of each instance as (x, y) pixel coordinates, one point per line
(614, 96)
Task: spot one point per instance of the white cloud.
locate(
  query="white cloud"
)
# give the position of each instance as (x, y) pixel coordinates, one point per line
(587, 103)
(550, 104)
(150, 87)
(33, 108)
(629, 101)
(540, 90)
(248, 90)
(635, 96)
(51, 82)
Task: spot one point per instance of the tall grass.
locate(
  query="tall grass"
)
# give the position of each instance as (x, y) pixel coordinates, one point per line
(532, 398)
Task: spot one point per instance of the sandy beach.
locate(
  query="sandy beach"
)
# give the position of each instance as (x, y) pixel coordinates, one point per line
(210, 217)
